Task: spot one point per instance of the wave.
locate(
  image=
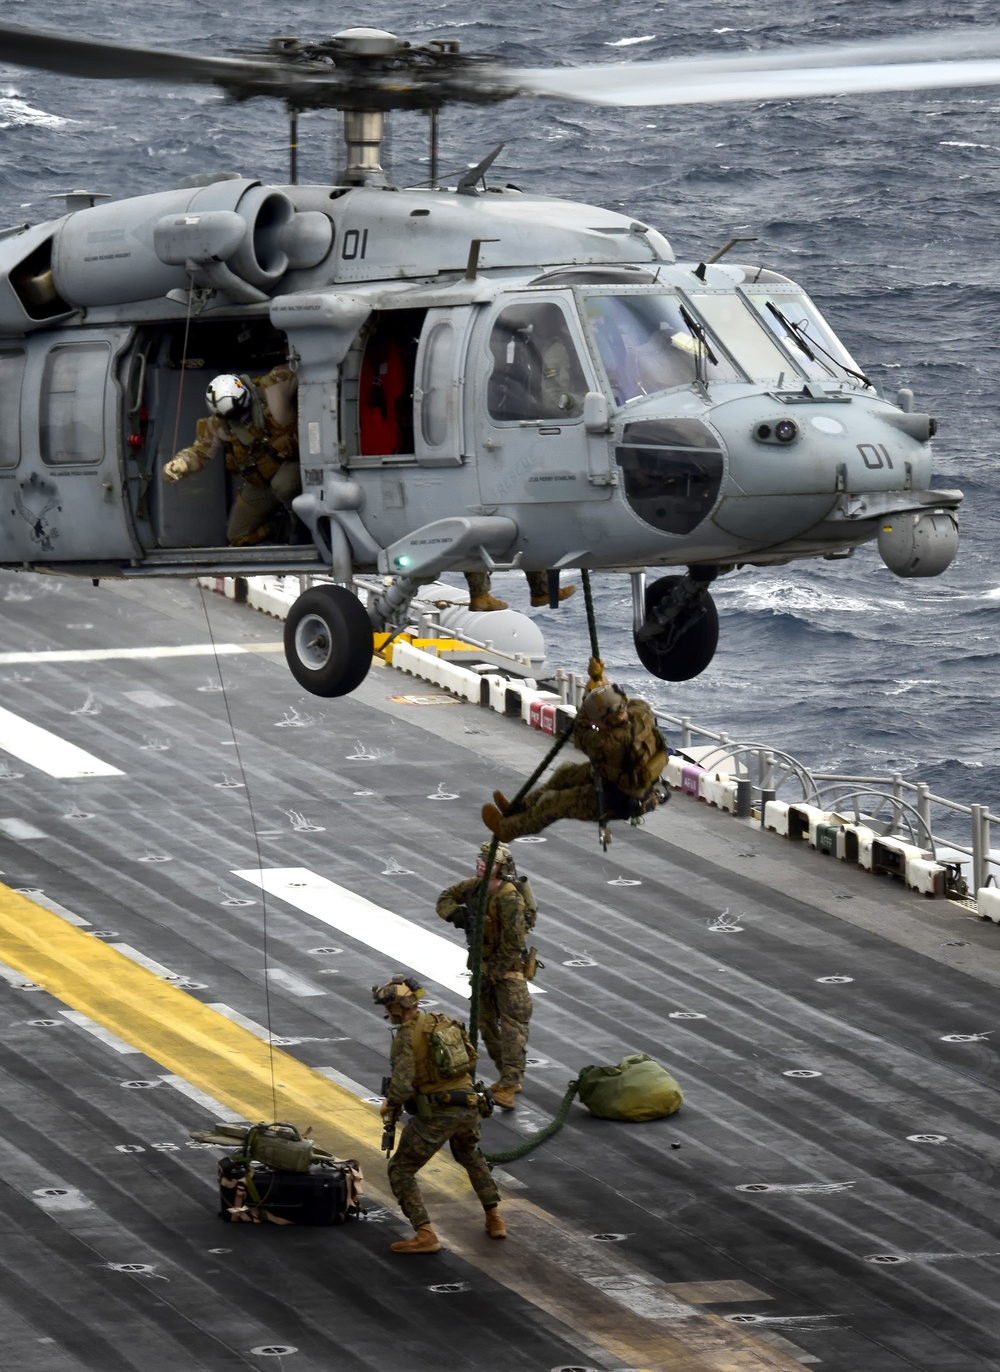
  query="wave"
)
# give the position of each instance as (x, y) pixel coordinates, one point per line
(16, 113)
(798, 599)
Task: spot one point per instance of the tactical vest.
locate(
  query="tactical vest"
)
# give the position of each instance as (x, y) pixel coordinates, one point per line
(439, 1045)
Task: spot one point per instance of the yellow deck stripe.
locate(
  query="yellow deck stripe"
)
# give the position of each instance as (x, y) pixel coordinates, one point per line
(235, 1067)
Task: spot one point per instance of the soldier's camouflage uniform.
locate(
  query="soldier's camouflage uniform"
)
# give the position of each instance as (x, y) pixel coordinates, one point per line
(264, 454)
(424, 1134)
(626, 758)
(504, 999)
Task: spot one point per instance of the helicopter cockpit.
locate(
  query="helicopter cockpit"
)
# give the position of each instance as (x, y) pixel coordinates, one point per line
(765, 331)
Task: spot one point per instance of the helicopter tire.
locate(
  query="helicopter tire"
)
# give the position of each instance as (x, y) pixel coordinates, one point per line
(692, 649)
(328, 641)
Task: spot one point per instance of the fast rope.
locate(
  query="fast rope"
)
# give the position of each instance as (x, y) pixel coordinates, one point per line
(596, 678)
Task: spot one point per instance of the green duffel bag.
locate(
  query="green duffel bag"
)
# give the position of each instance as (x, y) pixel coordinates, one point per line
(637, 1089)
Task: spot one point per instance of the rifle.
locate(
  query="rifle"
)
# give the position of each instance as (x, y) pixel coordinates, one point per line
(388, 1122)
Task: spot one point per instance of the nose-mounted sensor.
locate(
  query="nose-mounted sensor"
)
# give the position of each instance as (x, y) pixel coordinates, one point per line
(776, 431)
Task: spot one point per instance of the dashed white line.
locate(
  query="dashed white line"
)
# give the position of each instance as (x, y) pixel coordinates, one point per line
(46, 751)
(99, 1032)
(214, 1107)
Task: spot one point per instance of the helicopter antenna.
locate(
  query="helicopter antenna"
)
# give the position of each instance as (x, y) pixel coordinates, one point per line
(467, 182)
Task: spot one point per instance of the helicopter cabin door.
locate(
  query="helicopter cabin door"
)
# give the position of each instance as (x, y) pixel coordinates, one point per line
(439, 386)
(532, 374)
(60, 470)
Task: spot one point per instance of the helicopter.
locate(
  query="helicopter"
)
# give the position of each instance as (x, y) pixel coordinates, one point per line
(486, 377)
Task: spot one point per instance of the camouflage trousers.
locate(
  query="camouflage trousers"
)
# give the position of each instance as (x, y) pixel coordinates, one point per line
(569, 793)
(250, 517)
(456, 1125)
(504, 1012)
(480, 583)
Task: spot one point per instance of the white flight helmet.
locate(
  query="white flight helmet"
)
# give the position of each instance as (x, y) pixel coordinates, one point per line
(229, 399)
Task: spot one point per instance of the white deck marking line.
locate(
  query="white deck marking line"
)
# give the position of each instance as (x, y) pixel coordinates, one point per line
(40, 898)
(405, 944)
(99, 1032)
(215, 1108)
(114, 654)
(244, 1021)
(49, 753)
(295, 986)
(348, 1083)
(14, 978)
(19, 829)
(151, 966)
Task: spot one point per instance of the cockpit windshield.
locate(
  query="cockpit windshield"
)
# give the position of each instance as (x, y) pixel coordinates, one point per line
(651, 342)
(804, 333)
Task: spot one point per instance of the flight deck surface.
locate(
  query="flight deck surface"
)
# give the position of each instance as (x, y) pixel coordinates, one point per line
(832, 1199)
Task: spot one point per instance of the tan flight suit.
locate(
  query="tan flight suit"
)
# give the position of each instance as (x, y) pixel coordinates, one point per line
(504, 999)
(626, 758)
(443, 1115)
(264, 454)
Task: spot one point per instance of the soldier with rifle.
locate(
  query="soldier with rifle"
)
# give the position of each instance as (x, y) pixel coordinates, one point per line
(433, 1063)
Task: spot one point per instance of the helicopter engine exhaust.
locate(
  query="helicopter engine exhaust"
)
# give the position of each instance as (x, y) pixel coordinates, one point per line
(919, 543)
(233, 235)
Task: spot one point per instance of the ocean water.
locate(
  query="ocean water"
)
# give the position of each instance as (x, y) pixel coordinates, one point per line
(885, 207)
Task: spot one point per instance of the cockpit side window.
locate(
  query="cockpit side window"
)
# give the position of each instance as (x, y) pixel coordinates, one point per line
(646, 345)
(11, 376)
(72, 409)
(536, 369)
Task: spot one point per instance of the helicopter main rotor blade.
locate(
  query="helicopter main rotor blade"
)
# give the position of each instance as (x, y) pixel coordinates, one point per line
(963, 57)
(101, 60)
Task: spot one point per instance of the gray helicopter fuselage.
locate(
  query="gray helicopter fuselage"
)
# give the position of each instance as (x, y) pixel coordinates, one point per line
(484, 378)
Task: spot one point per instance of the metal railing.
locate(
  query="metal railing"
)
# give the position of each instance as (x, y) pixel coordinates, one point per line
(901, 806)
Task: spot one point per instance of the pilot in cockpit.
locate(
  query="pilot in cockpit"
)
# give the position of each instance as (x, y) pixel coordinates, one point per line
(253, 423)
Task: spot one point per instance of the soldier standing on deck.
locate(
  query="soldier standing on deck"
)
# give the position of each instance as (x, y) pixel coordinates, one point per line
(432, 1066)
(508, 963)
(627, 754)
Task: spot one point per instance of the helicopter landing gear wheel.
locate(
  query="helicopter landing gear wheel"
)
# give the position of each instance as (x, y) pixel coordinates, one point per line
(681, 632)
(328, 641)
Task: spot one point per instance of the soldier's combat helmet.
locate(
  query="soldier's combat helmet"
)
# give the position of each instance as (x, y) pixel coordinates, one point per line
(603, 702)
(399, 991)
(229, 399)
(503, 860)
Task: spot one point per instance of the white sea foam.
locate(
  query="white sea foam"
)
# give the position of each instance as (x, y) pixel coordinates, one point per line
(789, 597)
(16, 113)
(631, 42)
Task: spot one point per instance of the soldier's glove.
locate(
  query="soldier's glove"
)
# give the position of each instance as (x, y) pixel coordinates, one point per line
(175, 470)
(385, 1109)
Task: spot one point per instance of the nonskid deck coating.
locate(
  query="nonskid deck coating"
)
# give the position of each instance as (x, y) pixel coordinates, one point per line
(844, 1213)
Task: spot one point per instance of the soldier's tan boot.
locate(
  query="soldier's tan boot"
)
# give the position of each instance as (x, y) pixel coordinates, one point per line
(495, 1226)
(424, 1241)
(564, 594)
(501, 801)
(504, 1095)
(480, 603)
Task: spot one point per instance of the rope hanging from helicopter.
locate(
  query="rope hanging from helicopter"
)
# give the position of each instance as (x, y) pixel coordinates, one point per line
(596, 677)
(232, 731)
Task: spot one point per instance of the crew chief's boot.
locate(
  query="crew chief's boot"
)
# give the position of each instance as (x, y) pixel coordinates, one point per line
(543, 599)
(504, 1095)
(424, 1241)
(480, 603)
